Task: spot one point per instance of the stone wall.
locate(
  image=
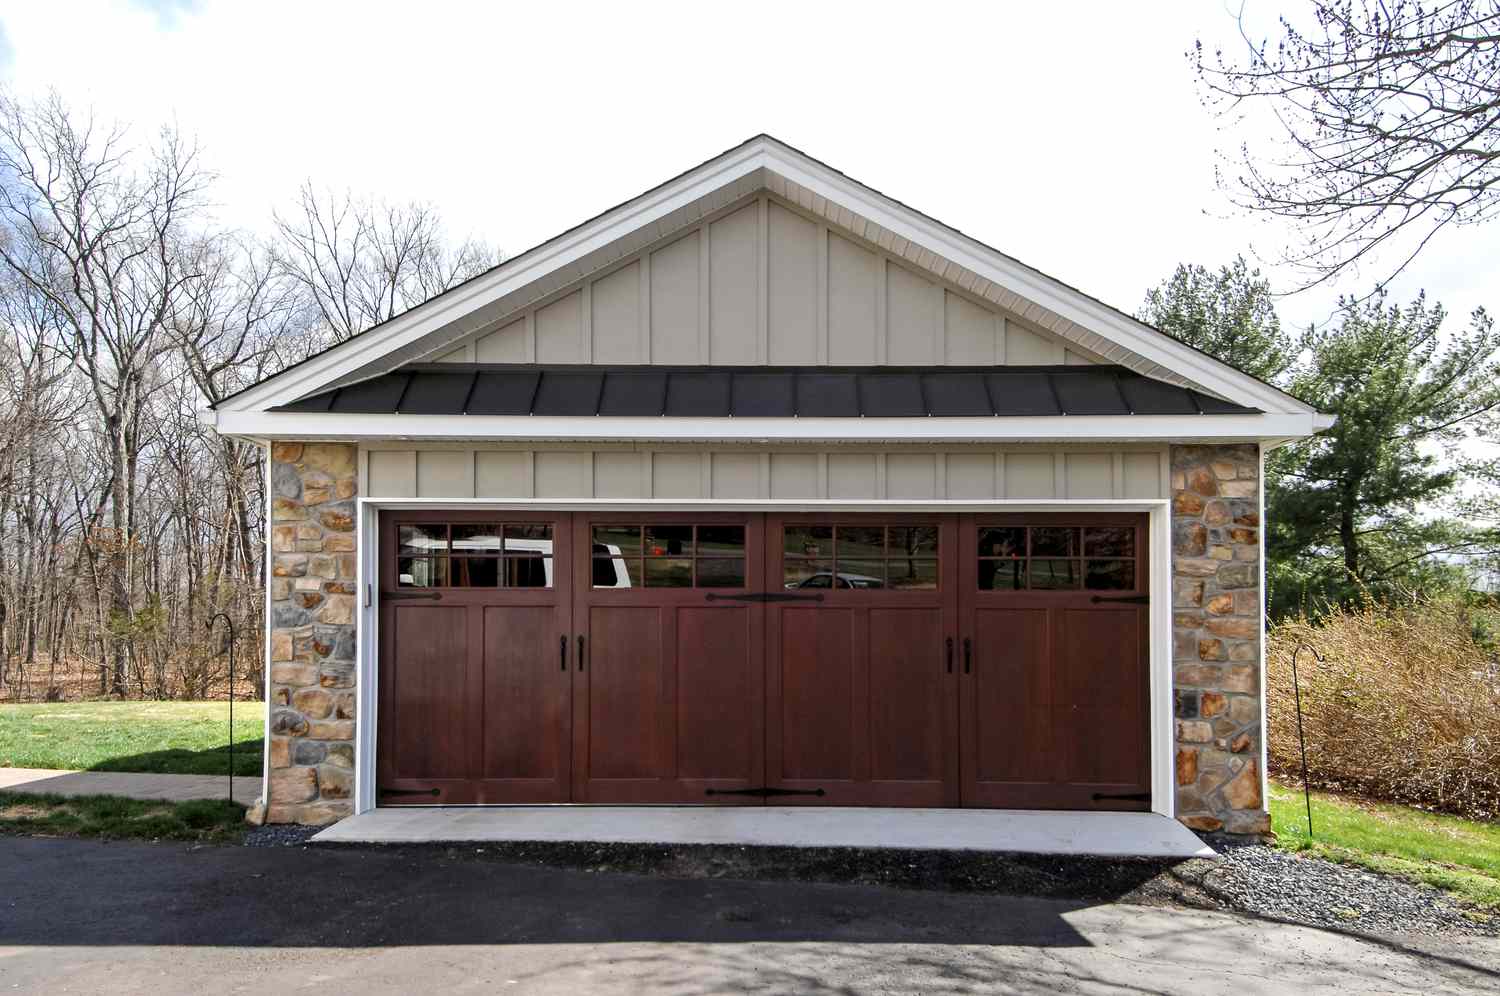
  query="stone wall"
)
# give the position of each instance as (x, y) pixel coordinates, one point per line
(313, 597)
(1216, 629)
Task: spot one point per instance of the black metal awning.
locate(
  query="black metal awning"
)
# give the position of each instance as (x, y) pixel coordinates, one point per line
(762, 392)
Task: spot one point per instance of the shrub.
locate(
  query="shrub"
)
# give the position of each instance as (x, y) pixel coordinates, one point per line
(1405, 706)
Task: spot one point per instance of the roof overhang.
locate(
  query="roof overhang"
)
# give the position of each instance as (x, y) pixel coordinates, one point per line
(265, 426)
(765, 163)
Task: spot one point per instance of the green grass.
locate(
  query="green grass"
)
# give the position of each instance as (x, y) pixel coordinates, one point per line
(1461, 857)
(176, 737)
(112, 818)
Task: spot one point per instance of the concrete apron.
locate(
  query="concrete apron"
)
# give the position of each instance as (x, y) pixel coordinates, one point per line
(1026, 831)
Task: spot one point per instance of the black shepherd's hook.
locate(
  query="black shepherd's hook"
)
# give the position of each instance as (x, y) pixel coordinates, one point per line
(1301, 740)
(230, 622)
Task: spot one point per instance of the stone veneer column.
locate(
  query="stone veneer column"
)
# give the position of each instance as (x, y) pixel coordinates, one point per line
(1216, 631)
(313, 596)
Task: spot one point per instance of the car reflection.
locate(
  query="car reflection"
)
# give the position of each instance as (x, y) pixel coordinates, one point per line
(827, 579)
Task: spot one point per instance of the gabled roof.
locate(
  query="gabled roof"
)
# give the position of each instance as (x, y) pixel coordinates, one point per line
(761, 392)
(764, 163)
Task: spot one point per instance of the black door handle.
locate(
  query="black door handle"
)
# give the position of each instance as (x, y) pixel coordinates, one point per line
(950, 655)
(562, 650)
(580, 651)
(968, 654)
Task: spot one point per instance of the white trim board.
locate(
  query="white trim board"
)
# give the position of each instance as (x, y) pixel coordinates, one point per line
(260, 425)
(764, 162)
(1159, 616)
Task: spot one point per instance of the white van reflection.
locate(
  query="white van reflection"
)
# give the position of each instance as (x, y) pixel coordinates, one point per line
(535, 571)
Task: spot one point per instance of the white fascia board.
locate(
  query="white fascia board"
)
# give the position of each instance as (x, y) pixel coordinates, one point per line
(503, 428)
(463, 300)
(1051, 294)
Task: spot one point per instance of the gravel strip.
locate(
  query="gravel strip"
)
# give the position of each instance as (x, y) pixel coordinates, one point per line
(279, 835)
(1261, 880)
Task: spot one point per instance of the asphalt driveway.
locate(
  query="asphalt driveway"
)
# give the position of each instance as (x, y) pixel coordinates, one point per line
(129, 917)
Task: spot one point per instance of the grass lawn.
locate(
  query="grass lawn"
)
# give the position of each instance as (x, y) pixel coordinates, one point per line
(178, 737)
(203, 820)
(1459, 856)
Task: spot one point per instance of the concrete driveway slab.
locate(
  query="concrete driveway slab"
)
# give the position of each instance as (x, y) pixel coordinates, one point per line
(128, 784)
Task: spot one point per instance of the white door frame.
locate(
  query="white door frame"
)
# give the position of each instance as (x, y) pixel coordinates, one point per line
(367, 636)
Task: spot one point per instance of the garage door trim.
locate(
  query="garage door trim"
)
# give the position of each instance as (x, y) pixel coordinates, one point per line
(1159, 613)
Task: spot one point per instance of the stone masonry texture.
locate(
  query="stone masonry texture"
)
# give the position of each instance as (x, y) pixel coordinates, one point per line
(313, 596)
(1216, 629)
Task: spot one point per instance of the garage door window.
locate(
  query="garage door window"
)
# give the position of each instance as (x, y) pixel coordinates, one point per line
(1057, 558)
(895, 557)
(689, 555)
(475, 555)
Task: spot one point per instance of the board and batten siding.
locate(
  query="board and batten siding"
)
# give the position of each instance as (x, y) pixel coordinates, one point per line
(979, 473)
(762, 283)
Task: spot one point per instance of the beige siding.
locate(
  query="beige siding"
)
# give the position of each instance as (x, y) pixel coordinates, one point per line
(916, 474)
(763, 282)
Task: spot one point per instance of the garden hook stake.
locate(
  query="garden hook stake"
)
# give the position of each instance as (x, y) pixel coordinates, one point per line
(1301, 740)
(230, 623)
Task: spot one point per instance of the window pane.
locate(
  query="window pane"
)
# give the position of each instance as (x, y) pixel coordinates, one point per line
(1110, 575)
(1109, 541)
(721, 572)
(529, 572)
(475, 539)
(861, 541)
(914, 541)
(807, 573)
(1054, 541)
(808, 541)
(669, 541)
(475, 572)
(423, 539)
(721, 540)
(1002, 575)
(912, 574)
(861, 573)
(617, 539)
(528, 537)
(1052, 574)
(669, 573)
(1002, 541)
(422, 572)
(617, 572)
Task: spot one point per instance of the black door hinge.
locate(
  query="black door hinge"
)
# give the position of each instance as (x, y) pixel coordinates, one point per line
(763, 792)
(1132, 599)
(1125, 797)
(763, 596)
(391, 791)
(408, 595)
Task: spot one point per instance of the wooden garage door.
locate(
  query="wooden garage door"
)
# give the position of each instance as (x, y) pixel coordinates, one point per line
(1053, 695)
(938, 660)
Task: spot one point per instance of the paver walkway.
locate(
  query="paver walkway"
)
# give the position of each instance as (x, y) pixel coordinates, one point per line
(130, 784)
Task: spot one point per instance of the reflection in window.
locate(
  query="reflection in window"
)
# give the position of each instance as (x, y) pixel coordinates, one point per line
(668, 555)
(1056, 558)
(474, 555)
(860, 557)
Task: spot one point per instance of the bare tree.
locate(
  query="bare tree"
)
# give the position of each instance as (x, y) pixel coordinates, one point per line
(360, 262)
(100, 243)
(1389, 112)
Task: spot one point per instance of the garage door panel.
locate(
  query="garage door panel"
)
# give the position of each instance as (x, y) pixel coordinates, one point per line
(718, 673)
(817, 671)
(525, 694)
(906, 694)
(1010, 706)
(624, 688)
(429, 722)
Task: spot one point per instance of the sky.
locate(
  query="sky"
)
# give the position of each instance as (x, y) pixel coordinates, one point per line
(1069, 136)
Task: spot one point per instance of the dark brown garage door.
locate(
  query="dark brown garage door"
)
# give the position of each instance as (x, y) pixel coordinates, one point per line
(936, 660)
